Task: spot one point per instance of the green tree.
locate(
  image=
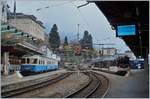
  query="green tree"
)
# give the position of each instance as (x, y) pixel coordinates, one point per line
(65, 41)
(54, 38)
(90, 42)
(86, 42)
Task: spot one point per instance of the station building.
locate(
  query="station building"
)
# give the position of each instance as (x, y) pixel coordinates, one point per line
(20, 35)
(28, 24)
(16, 43)
(108, 51)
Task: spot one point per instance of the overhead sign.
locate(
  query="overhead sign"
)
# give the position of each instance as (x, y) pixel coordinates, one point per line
(125, 30)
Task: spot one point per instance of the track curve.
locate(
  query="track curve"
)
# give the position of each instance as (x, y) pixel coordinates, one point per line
(96, 88)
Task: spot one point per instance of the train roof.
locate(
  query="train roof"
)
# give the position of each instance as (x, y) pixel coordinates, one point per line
(36, 56)
(31, 56)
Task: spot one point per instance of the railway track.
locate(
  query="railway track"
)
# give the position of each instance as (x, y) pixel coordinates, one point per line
(103, 88)
(96, 88)
(19, 91)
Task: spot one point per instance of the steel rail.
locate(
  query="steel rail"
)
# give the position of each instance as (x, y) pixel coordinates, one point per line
(103, 89)
(69, 95)
(87, 90)
(96, 88)
(33, 87)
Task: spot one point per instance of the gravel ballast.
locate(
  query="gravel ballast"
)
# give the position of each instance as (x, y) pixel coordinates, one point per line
(59, 89)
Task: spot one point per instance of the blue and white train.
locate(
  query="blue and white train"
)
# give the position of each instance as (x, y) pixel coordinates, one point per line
(36, 64)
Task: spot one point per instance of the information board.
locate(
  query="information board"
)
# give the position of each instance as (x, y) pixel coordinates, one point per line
(125, 30)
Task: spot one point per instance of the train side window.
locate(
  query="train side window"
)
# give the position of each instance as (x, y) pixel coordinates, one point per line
(23, 61)
(35, 61)
(28, 60)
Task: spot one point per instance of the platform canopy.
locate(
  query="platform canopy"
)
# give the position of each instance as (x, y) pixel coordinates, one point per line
(129, 12)
(17, 42)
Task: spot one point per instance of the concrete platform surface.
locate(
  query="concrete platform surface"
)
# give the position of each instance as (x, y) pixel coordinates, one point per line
(136, 85)
(5, 80)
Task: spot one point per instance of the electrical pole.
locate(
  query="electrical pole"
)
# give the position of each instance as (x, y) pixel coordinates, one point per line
(78, 32)
(78, 57)
(15, 11)
(139, 30)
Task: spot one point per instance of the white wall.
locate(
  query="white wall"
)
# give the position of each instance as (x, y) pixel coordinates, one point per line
(109, 51)
(51, 55)
(29, 26)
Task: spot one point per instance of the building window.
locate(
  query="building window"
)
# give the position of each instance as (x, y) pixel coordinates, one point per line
(108, 52)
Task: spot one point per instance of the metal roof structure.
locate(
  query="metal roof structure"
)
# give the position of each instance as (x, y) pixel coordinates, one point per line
(126, 12)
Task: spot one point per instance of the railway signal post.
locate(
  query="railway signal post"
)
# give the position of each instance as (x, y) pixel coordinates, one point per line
(77, 53)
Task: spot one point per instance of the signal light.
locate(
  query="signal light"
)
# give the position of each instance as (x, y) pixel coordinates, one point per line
(77, 51)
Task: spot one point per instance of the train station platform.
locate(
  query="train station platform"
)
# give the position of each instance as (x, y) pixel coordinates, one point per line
(136, 85)
(6, 80)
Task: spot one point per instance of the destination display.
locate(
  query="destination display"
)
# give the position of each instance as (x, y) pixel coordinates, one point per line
(125, 30)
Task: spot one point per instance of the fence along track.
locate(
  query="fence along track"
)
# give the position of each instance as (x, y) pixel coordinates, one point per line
(33, 87)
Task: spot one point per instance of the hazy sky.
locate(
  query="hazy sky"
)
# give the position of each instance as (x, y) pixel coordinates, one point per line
(66, 15)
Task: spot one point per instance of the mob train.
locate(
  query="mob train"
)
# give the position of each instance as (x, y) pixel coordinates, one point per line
(36, 64)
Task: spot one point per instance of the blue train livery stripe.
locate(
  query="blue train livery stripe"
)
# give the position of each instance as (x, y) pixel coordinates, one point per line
(38, 68)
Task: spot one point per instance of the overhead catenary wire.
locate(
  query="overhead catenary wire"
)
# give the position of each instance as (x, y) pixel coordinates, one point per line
(54, 5)
(77, 7)
(81, 14)
(83, 17)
